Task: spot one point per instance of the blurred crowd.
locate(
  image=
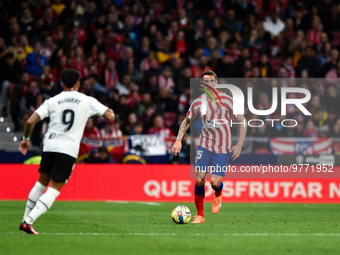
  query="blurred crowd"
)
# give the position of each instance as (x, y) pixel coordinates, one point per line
(138, 56)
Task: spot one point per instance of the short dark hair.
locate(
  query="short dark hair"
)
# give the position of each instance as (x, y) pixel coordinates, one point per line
(70, 77)
(93, 75)
(209, 72)
(103, 149)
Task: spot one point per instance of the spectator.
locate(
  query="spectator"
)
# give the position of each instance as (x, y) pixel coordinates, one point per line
(48, 48)
(163, 54)
(144, 50)
(309, 62)
(332, 63)
(26, 21)
(30, 97)
(289, 30)
(291, 130)
(314, 32)
(289, 66)
(46, 76)
(335, 132)
(95, 85)
(37, 133)
(333, 73)
(266, 67)
(90, 131)
(135, 75)
(111, 131)
(184, 21)
(122, 109)
(77, 60)
(239, 63)
(325, 55)
(165, 101)
(127, 57)
(122, 85)
(138, 128)
(211, 45)
(322, 122)
(35, 61)
(314, 104)
(104, 156)
(332, 102)
(309, 129)
(19, 90)
(109, 75)
(165, 79)
(243, 8)
(21, 50)
(158, 128)
(296, 45)
(10, 71)
(333, 20)
(232, 24)
(181, 45)
(129, 127)
(113, 24)
(48, 90)
(255, 44)
(202, 66)
(258, 146)
(323, 40)
(135, 156)
(50, 23)
(60, 67)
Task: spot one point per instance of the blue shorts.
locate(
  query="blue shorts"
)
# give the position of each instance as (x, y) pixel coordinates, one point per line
(208, 161)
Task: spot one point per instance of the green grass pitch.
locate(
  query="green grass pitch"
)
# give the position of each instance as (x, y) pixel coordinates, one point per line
(136, 228)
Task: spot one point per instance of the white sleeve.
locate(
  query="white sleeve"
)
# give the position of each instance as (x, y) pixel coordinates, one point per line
(42, 111)
(96, 108)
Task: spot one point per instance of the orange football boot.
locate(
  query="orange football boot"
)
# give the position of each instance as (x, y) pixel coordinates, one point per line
(217, 204)
(198, 219)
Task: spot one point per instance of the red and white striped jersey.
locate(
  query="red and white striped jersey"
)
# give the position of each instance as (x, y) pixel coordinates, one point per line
(216, 133)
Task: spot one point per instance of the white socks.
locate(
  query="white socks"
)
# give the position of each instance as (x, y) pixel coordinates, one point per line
(34, 195)
(43, 204)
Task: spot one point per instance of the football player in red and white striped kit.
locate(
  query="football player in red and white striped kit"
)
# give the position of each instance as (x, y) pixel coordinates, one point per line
(214, 149)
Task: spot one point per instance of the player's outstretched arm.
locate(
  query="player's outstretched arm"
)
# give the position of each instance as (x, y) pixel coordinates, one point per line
(29, 125)
(243, 130)
(176, 148)
(109, 115)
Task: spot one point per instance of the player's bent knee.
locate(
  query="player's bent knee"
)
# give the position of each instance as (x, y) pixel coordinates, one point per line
(200, 181)
(215, 183)
(56, 185)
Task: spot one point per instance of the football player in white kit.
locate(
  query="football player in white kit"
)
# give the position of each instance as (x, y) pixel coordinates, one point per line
(68, 113)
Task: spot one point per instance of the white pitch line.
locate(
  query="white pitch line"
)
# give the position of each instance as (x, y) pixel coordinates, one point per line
(180, 234)
(128, 202)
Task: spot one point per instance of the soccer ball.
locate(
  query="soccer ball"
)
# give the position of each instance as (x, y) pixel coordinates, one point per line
(181, 214)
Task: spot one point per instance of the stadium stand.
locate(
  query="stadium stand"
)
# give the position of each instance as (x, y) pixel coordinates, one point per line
(138, 56)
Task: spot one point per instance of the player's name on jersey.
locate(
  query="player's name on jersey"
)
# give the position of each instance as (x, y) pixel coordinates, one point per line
(69, 100)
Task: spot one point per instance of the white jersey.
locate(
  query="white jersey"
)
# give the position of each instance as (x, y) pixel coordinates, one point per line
(68, 113)
(216, 134)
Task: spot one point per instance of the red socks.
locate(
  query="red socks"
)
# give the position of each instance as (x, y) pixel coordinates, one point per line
(218, 193)
(199, 202)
